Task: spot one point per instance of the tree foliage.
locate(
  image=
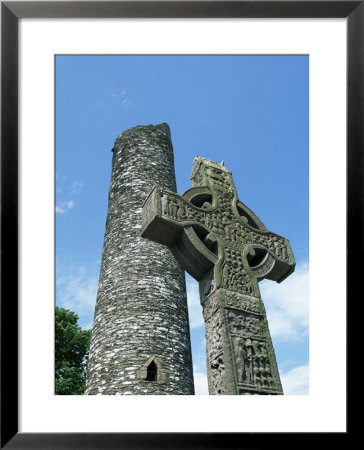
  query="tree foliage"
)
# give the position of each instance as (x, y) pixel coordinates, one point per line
(71, 353)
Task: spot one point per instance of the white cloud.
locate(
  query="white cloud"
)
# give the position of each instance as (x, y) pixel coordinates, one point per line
(296, 381)
(199, 355)
(199, 367)
(200, 381)
(76, 187)
(122, 95)
(63, 207)
(287, 305)
(67, 188)
(194, 305)
(76, 289)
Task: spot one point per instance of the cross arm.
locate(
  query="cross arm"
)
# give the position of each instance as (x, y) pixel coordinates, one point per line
(170, 219)
(269, 256)
(165, 213)
(156, 226)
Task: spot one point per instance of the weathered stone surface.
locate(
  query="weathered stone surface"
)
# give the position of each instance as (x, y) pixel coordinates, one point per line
(140, 340)
(239, 352)
(223, 244)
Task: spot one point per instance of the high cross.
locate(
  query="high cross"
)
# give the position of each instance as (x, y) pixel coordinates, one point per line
(221, 243)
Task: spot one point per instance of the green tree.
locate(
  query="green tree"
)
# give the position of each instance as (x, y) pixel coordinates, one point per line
(71, 353)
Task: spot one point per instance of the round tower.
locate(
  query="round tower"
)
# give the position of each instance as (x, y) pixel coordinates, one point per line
(140, 338)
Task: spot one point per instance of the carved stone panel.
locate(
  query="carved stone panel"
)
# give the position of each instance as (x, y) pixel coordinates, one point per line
(240, 356)
(215, 355)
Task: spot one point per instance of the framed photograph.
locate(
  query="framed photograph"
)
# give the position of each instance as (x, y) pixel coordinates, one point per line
(62, 66)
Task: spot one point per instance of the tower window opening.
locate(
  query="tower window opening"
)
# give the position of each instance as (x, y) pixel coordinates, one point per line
(152, 372)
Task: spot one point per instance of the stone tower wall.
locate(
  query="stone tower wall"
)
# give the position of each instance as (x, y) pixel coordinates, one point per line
(141, 315)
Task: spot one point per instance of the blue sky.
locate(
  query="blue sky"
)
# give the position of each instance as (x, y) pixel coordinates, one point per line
(250, 111)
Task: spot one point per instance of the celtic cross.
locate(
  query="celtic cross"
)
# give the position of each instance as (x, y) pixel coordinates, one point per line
(222, 244)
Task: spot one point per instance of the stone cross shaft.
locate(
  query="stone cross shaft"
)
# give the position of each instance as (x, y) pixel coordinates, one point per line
(222, 244)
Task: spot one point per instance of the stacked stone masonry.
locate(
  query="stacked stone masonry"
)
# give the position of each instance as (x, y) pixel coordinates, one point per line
(141, 339)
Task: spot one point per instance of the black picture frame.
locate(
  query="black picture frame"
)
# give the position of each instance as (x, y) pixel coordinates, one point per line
(11, 12)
